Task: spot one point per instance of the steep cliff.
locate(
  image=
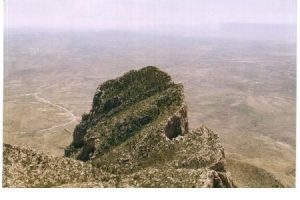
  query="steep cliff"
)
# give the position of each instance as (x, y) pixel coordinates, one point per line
(126, 108)
(135, 135)
(138, 124)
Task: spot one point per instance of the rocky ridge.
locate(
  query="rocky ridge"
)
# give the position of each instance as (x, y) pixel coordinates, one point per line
(136, 135)
(25, 167)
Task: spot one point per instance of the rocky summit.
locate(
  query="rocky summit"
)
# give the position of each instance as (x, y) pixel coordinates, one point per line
(135, 135)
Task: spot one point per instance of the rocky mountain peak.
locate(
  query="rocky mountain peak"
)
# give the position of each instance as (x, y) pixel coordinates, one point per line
(135, 135)
(139, 122)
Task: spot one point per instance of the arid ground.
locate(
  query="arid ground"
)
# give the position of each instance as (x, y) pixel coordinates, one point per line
(244, 90)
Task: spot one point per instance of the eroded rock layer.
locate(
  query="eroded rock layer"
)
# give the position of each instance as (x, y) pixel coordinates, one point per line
(135, 135)
(139, 124)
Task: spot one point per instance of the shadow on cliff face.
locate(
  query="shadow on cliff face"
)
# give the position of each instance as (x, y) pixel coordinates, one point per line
(139, 122)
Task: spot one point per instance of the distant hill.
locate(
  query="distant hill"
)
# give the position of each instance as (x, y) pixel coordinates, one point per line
(250, 31)
(247, 175)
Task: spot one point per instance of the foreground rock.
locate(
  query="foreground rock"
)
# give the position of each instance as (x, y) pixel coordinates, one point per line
(136, 135)
(24, 167)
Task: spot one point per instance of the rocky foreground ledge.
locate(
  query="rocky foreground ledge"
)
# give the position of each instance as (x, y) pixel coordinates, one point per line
(136, 135)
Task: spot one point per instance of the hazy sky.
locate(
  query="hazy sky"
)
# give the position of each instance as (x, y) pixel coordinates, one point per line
(135, 14)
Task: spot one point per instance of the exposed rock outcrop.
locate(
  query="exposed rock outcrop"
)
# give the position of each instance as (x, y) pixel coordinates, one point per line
(24, 167)
(135, 135)
(139, 124)
(177, 125)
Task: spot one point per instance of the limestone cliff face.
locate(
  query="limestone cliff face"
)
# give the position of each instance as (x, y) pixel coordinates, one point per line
(138, 124)
(124, 107)
(177, 125)
(135, 135)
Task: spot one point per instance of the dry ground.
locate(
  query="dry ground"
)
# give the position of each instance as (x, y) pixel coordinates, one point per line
(243, 90)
